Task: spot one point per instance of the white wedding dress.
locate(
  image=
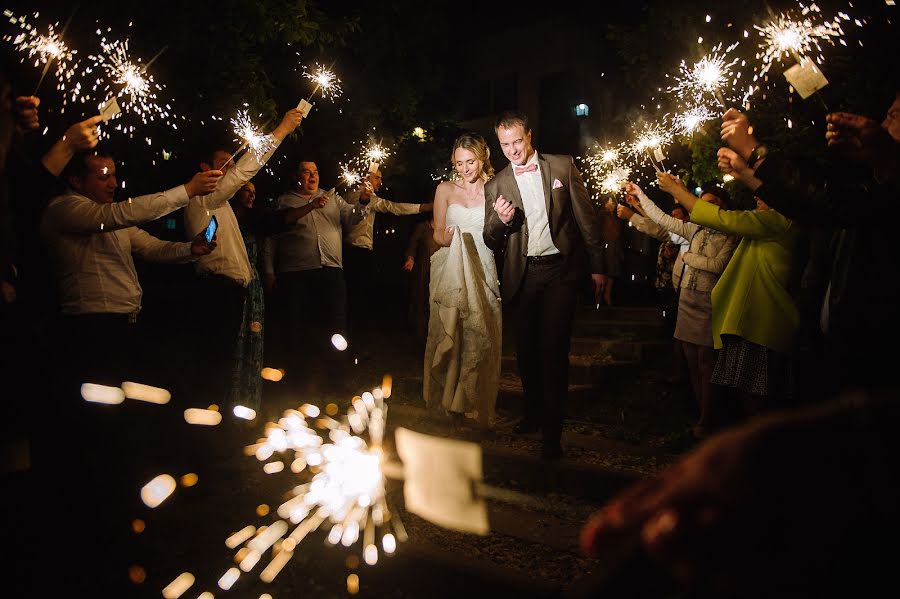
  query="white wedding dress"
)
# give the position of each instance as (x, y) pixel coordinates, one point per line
(462, 354)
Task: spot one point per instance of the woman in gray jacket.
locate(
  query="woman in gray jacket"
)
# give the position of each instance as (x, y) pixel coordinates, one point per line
(706, 258)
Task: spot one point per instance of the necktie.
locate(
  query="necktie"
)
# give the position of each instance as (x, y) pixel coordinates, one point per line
(525, 169)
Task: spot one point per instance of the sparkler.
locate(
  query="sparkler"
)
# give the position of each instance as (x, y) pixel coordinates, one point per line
(136, 87)
(650, 140)
(258, 143)
(325, 80)
(612, 183)
(783, 37)
(349, 176)
(344, 487)
(44, 49)
(687, 122)
(707, 78)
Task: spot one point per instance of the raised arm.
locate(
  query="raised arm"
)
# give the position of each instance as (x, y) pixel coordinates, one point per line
(669, 223)
(752, 224)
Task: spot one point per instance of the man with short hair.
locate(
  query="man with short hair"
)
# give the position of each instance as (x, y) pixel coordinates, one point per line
(307, 263)
(539, 214)
(222, 278)
(359, 263)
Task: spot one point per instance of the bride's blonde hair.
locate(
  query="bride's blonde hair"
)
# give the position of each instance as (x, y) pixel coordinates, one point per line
(475, 144)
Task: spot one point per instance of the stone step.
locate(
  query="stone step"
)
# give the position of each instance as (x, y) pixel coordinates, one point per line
(631, 314)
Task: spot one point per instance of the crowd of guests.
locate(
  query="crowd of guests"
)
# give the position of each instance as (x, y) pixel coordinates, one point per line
(793, 495)
(739, 282)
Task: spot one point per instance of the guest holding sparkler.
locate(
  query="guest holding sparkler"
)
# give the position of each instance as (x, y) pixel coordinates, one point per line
(359, 263)
(223, 277)
(306, 264)
(863, 167)
(754, 317)
(707, 256)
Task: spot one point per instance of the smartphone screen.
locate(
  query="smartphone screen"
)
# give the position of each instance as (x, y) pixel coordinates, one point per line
(211, 228)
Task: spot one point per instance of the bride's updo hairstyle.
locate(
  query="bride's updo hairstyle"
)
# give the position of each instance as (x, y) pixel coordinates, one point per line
(475, 144)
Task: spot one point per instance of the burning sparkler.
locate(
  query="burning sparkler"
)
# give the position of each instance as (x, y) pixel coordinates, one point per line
(349, 176)
(651, 140)
(687, 122)
(251, 137)
(136, 87)
(707, 78)
(784, 36)
(325, 80)
(344, 487)
(44, 49)
(612, 183)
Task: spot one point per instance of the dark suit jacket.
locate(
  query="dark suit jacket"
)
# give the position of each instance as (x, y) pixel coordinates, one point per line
(574, 224)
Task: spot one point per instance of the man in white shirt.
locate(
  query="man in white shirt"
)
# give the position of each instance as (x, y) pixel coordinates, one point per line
(360, 269)
(91, 240)
(220, 288)
(306, 265)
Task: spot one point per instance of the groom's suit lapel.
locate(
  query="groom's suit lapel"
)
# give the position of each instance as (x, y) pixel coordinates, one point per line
(512, 189)
(545, 175)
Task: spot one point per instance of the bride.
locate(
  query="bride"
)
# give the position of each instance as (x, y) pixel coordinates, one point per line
(462, 354)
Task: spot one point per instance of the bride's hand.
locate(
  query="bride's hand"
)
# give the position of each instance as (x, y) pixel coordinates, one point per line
(449, 235)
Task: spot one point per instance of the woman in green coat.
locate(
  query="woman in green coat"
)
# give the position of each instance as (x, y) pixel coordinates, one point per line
(755, 319)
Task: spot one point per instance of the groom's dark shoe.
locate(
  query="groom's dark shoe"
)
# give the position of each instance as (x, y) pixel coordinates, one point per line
(526, 426)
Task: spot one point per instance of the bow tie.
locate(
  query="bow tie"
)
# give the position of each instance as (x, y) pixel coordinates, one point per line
(525, 169)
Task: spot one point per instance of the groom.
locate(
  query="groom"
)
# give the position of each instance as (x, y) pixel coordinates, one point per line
(539, 215)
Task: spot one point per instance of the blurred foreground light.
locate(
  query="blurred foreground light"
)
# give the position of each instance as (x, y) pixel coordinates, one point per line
(244, 412)
(137, 574)
(178, 586)
(271, 374)
(157, 490)
(386, 384)
(202, 417)
(189, 480)
(371, 555)
(102, 394)
(240, 536)
(278, 562)
(138, 526)
(273, 467)
(338, 341)
(146, 393)
(229, 578)
(389, 543)
(353, 584)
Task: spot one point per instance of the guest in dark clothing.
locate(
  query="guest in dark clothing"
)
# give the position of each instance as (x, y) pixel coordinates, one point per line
(418, 262)
(859, 304)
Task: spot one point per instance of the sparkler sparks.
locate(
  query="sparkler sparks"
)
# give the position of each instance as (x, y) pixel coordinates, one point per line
(687, 122)
(342, 486)
(707, 79)
(349, 176)
(43, 48)
(784, 37)
(258, 143)
(128, 80)
(612, 183)
(325, 80)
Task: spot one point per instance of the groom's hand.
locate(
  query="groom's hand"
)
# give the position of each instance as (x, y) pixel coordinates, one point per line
(504, 209)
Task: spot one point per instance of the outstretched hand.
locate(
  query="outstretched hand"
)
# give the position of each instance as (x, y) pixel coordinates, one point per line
(858, 138)
(289, 122)
(203, 183)
(670, 183)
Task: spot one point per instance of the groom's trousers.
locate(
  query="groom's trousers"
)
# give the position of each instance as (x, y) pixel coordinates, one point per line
(542, 315)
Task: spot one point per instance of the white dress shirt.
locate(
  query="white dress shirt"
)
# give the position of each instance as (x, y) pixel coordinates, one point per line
(91, 245)
(315, 240)
(230, 258)
(362, 234)
(531, 188)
